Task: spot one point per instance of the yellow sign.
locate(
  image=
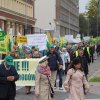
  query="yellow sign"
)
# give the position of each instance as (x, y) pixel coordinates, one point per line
(49, 37)
(22, 39)
(3, 47)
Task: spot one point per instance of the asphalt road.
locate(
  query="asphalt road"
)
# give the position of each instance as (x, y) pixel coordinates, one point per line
(59, 95)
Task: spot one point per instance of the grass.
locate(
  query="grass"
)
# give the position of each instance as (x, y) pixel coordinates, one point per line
(95, 79)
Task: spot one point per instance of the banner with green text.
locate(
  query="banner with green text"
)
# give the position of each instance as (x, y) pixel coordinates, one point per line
(26, 69)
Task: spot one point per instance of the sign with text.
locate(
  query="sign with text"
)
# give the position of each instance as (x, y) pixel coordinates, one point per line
(22, 39)
(69, 38)
(26, 69)
(39, 40)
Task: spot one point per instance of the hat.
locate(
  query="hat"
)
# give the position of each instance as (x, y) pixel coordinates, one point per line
(52, 46)
(28, 52)
(43, 59)
(9, 60)
(33, 47)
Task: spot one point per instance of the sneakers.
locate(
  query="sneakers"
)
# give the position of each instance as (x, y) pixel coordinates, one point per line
(60, 88)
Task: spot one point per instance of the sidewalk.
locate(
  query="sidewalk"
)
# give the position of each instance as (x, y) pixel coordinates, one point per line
(95, 87)
(94, 71)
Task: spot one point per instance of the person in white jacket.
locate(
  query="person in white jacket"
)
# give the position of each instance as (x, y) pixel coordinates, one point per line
(66, 59)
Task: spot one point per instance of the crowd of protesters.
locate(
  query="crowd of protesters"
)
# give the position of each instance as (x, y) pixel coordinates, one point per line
(70, 60)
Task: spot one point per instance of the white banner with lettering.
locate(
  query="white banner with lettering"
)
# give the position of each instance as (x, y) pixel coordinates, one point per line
(39, 40)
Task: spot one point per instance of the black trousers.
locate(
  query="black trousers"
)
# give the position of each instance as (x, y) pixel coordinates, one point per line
(60, 74)
(66, 67)
(12, 98)
(92, 58)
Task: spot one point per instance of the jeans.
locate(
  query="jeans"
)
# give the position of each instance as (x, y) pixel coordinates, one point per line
(60, 74)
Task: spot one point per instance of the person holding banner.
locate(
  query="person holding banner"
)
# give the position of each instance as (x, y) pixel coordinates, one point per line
(28, 88)
(8, 76)
(42, 82)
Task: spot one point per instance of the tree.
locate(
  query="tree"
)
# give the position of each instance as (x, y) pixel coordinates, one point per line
(83, 24)
(92, 14)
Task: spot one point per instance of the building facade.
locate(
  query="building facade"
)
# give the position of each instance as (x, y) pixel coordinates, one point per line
(17, 16)
(62, 16)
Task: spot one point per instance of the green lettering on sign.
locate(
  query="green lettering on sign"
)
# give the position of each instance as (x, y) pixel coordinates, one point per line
(16, 64)
(25, 66)
(27, 77)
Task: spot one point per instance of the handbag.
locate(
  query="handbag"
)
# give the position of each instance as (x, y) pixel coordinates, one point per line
(52, 91)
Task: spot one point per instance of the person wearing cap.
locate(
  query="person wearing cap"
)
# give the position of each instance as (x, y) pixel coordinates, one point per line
(36, 53)
(32, 51)
(28, 55)
(42, 86)
(8, 76)
(54, 62)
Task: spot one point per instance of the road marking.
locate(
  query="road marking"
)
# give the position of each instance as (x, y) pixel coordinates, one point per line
(87, 99)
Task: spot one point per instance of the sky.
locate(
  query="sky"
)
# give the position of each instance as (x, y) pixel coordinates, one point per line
(82, 5)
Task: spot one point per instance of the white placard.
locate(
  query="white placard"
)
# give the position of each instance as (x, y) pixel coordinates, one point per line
(87, 38)
(69, 38)
(39, 40)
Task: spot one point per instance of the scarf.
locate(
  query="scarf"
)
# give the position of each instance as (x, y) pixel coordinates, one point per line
(45, 70)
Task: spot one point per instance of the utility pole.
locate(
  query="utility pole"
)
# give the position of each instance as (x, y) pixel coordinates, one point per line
(69, 21)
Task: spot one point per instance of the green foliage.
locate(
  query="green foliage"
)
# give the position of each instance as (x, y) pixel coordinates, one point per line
(92, 15)
(83, 24)
(95, 79)
(92, 8)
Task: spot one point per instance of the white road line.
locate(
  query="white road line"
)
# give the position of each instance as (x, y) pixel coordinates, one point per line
(88, 99)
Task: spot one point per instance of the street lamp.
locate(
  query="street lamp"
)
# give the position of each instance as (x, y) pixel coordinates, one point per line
(69, 20)
(25, 18)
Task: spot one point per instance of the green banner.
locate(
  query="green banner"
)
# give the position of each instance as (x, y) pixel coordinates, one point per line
(2, 36)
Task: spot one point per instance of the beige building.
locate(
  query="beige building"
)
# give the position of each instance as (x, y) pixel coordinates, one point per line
(62, 16)
(17, 15)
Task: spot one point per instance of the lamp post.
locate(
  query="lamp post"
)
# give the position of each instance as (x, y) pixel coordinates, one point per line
(26, 18)
(69, 20)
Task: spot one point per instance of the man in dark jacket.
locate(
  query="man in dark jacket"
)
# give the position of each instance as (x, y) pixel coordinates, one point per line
(92, 50)
(84, 62)
(8, 76)
(54, 62)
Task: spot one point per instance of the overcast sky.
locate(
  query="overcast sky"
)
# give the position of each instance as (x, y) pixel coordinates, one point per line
(82, 4)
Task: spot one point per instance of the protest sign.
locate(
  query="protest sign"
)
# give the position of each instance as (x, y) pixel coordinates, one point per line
(22, 39)
(69, 38)
(39, 40)
(26, 69)
(2, 36)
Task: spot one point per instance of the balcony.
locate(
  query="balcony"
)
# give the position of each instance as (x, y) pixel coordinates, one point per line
(18, 7)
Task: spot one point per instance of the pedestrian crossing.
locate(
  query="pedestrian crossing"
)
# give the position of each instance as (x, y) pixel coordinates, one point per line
(87, 99)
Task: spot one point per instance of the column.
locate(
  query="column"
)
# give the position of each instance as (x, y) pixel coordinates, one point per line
(2, 24)
(20, 30)
(8, 26)
(13, 28)
(17, 29)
